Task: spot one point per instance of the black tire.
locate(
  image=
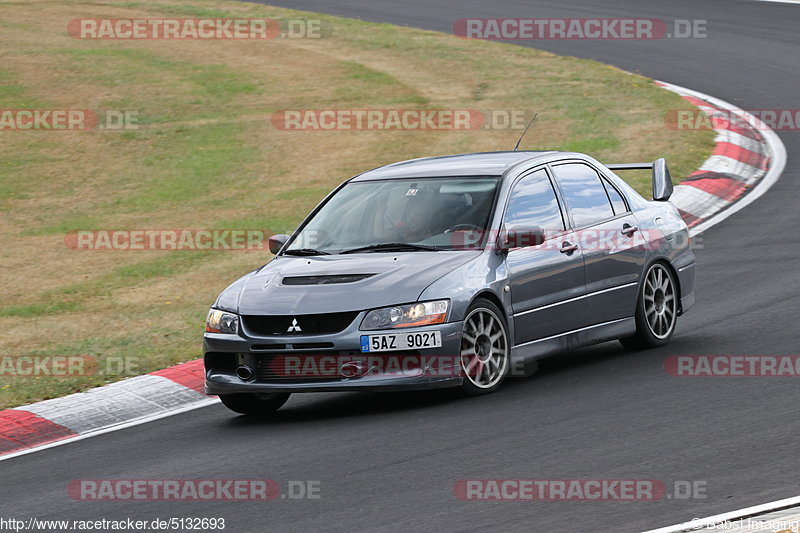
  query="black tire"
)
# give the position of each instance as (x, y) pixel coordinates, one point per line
(656, 309)
(484, 338)
(255, 403)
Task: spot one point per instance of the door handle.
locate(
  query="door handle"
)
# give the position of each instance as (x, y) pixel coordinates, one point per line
(629, 230)
(568, 248)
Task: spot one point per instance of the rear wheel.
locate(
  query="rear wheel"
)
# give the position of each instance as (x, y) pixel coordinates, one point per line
(254, 403)
(656, 309)
(485, 350)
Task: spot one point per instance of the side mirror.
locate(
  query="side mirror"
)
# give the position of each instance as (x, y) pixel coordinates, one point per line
(662, 181)
(276, 242)
(520, 238)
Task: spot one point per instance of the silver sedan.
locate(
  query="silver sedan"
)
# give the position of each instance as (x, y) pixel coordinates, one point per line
(453, 271)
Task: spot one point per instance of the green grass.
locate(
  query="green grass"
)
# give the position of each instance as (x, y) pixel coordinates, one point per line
(188, 163)
(38, 309)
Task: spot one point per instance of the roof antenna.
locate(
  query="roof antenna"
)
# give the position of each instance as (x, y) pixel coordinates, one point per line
(526, 131)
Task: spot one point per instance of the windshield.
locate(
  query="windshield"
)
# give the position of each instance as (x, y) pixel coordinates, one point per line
(423, 214)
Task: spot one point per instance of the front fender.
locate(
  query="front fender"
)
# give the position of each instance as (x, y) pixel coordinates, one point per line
(485, 273)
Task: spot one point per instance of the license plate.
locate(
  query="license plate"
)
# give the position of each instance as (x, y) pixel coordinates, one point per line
(401, 341)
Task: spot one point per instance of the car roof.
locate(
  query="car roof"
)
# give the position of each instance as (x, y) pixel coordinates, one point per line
(476, 164)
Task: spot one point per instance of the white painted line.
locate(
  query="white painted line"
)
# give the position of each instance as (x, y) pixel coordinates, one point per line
(777, 156)
(728, 136)
(697, 202)
(795, 2)
(202, 402)
(698, 523)
(737, 169)
(113, 404)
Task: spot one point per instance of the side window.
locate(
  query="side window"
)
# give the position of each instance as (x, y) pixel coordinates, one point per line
(533, 202)
(584, 193)
(616, 198)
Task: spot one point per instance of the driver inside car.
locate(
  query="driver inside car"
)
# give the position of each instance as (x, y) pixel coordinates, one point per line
(423, 216)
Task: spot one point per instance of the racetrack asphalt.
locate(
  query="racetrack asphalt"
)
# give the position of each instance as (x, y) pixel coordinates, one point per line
(388, 462)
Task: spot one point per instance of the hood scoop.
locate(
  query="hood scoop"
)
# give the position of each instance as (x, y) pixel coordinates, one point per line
(325, 280)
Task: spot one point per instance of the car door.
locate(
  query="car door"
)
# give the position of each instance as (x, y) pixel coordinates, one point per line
(547, 280)
(609, 236)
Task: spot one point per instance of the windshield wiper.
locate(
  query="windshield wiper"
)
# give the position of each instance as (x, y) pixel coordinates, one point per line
(305, 251)
(392, 247)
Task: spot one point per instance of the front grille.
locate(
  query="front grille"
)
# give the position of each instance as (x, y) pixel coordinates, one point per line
(318, 367)
(265, 325)
(324, 280)
(274, 369)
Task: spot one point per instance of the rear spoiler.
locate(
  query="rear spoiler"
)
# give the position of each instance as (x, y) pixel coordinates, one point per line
(662, 181)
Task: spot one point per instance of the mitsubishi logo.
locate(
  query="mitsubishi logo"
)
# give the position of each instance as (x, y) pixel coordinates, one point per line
(294, 328)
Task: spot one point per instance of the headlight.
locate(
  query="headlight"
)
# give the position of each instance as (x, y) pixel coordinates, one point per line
(222, 322)
(404, 316)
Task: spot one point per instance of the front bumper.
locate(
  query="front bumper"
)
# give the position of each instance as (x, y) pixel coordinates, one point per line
(225, 353)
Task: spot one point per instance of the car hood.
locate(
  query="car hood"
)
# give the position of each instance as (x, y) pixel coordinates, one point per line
(397, 278)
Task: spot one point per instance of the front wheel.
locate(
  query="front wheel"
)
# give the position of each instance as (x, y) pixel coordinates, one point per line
(485, 350)
(254, 403)
(656, 309)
